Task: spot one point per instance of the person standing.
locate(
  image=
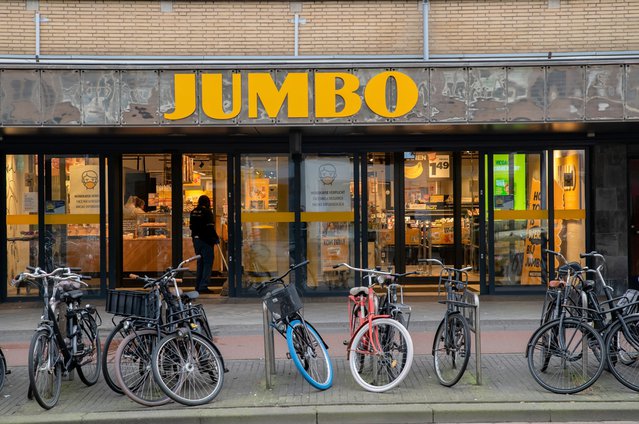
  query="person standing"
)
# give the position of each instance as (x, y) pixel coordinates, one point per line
(202, 225)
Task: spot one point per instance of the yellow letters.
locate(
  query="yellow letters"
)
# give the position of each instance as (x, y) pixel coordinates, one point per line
(184, 97)
(375, 94)
(212, 96)
(294, 87)
(326, 95)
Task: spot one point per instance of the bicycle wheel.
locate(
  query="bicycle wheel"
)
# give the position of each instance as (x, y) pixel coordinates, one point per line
(89, 366)
(576, 359)
(111, 344)
(623, 352)
(387, 349)
(3, 370)
(45, 369)
(451, 349)
(188, 368)
(133, 369)
(309, 354)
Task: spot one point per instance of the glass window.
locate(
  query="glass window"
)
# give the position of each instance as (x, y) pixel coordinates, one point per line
(205, 174)
(470, 212)
(381, 210)
(327, 205)
(570, 203)
(146, 214)
(266, 217)
(22, 218)
(72, 214)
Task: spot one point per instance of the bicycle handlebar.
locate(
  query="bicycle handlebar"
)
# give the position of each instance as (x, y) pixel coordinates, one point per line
(375, 271)
(447, 268)
(273, 280)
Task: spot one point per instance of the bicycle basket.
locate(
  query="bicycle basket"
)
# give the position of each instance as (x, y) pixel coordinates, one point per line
(282, 301)
(128, 303)
(630, 297)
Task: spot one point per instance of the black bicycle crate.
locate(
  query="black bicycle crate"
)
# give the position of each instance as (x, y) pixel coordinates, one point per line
(128, 303)
(282, 301)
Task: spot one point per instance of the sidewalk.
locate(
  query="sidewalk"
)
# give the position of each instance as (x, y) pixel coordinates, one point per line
(508, 392)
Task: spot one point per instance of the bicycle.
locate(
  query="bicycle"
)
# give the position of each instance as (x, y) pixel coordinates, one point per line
(568, 354)
(556, 291)
(451, 347)
(306, 347)
(136, 308)
(53, 352)
(4, 371)
(380, 349)
(135, 357)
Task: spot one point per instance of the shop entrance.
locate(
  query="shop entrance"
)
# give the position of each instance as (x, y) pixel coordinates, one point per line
(633, 233)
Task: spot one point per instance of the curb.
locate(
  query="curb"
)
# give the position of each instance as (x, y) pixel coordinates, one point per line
(355, 414)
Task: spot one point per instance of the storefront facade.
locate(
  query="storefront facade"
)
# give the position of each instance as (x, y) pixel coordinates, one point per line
(374, 164)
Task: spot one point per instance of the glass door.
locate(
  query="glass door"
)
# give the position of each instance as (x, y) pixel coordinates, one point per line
(206, 175)
(519, 206)
(266, 217)
(380, 210)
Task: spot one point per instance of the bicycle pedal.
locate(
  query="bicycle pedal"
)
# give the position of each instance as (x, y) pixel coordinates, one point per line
(288, 355)
(346, 342)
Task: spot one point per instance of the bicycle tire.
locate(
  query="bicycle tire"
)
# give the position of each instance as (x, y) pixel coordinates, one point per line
(133, 370)
(451, 354)
(3, 370)
(309, 354)
(45, 384)
(386, 367)
(622, 352)
(89, 368)
(572, 368)
(111, 344)
(184, 364)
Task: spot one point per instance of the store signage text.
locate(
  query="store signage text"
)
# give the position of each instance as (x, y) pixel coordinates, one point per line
(328, 87)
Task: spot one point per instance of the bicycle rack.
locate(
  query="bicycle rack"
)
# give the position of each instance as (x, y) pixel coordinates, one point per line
(269, 346)
(471, 313)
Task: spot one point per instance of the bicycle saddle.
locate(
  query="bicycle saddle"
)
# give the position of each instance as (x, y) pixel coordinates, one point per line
(358, 290)
(72, 295)
(574, 267)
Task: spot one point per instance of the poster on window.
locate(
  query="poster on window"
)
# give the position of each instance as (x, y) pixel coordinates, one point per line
(84, 189)
(328, 184)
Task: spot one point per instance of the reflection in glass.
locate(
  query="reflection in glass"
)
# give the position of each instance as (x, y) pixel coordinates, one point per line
(22, 218)
(265, 217)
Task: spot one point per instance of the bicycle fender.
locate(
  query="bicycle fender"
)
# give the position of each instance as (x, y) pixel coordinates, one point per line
(318, 333)
(350, 342)
(45, 327)
(220, 355)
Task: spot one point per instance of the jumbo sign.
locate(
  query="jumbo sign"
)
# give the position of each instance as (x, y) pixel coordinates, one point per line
(334, 95)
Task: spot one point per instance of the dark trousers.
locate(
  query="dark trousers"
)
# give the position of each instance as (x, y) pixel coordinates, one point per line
(204, 264)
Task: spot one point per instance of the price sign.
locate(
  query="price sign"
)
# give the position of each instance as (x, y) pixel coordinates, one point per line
(439, 167)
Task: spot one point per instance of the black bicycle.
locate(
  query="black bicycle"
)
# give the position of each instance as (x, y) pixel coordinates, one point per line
(4, 371)
(67, 337)
(306, 347)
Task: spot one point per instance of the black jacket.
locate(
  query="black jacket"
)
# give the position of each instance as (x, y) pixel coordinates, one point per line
(202, 225)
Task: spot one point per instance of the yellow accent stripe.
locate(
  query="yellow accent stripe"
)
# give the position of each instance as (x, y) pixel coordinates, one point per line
(54, 219)
(268, 217)
(22, 219)
(328, 216)
(526, 214)
(570, 214)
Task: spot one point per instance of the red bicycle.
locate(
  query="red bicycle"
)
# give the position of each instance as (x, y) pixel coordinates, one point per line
(380, 349)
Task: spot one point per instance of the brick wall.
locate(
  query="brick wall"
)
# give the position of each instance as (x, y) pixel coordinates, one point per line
(128, 27)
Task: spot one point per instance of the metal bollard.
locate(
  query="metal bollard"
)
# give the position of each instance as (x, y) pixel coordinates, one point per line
(269, 346)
